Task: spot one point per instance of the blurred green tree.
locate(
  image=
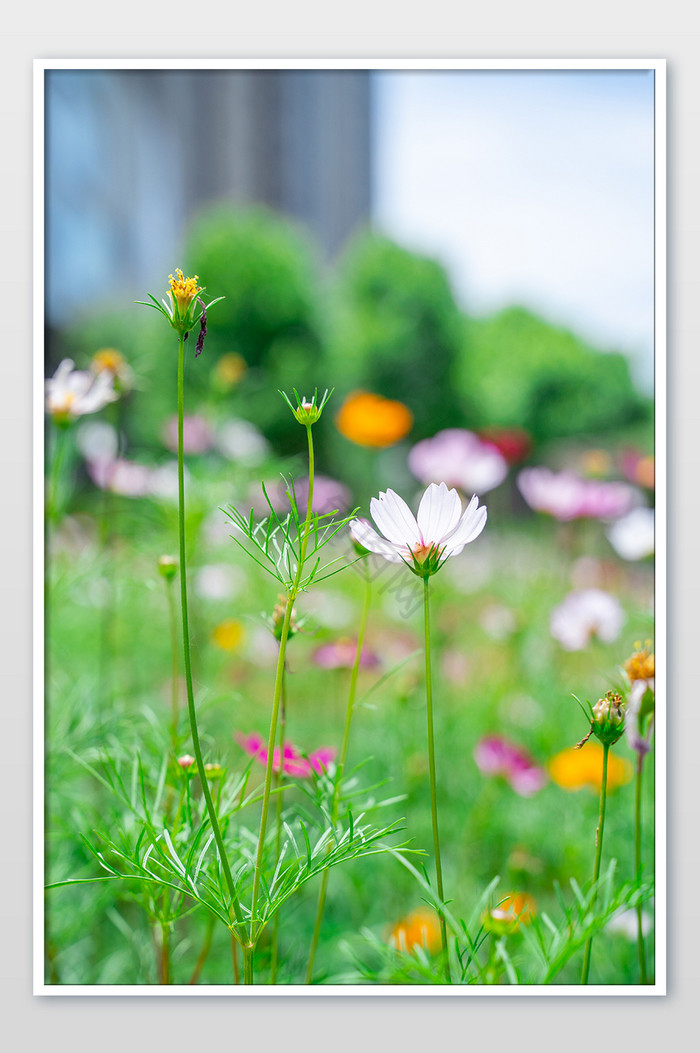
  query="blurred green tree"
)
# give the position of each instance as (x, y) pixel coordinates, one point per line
(518, 370)
(397, 331)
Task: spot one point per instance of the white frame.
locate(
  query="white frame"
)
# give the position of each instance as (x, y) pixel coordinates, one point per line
(658, 66)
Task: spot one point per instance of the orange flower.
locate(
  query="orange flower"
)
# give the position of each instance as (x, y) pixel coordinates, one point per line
(513, 909)
(420, 928)
(640, 665)
(371, 420)
(228, 635)
(572, 769)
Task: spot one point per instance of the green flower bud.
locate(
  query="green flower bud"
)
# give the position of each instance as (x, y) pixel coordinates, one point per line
(167, 567)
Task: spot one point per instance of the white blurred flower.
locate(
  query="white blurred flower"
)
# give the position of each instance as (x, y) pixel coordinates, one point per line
(163, 481)
(218, 581)
(97, 440)
(583, 614)
(72, 393)
(497, 621)
(241, 441)
(424, 543)
(625, 922)
(121, 477)
(632, 537)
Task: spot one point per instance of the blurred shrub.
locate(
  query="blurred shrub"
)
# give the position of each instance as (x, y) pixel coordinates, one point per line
(397, 331)
(519, 371)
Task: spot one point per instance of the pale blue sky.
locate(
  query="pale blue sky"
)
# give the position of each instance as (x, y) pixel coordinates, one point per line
(531, 187)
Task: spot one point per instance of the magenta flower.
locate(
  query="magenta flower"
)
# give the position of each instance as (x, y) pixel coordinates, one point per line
(341, 655)
(496, 756)
(197, 436)
(459, 458)
(567, 496)
(294, 762)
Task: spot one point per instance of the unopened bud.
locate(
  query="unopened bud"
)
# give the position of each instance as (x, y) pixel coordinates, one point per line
(608, 718)
(186, 761)
(167, 567)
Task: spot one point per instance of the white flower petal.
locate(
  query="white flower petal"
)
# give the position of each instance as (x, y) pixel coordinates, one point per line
(438, 512)
(469, 527)
(368, 537)
(395, 519)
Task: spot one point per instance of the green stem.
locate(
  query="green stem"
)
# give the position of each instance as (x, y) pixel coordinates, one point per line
(598, 855)
(234, 958)
(638, 867)
(235, 904)
(52, 502)
(248, 953)
(277, 694)
(433, 782)
(278, 838)
(341, 767)
(204, 953)
(164, 951)
(175, 667)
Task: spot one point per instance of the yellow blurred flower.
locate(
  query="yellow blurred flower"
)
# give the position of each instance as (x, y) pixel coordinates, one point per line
(573, 769)
(228, 635)
(420, 928)
(229, 370)
(372, 420)
(597, 463)
(641, 664)
(512, 910)
(107, 360)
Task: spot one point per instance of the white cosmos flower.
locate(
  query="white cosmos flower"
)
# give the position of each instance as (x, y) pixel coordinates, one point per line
(72, 393)
(440, 530)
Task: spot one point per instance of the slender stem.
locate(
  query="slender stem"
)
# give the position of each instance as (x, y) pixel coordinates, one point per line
(204, 953)
(248, 953)
(175, 673)
(278, 838)
(638, 867)
(164, 953)
(235, 904)
(57, 459)
(234, 957)
(598, 855)
(341, 766)
(277, 694)
(433, 783)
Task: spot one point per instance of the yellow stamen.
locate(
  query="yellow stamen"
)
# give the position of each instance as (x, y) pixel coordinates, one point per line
(183, 290)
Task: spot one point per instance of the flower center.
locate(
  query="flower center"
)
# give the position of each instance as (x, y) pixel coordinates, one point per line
(421, 551)
(183, 290)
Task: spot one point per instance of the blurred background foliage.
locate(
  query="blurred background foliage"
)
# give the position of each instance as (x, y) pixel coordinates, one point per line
(381, 319)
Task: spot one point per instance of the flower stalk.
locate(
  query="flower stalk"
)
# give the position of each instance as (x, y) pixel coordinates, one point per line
(638, 867)
(256, 929)
(335, 804)
(433, 780)
(235, 910)
(598, 856)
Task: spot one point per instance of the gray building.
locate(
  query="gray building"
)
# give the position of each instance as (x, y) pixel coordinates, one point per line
(133, 155)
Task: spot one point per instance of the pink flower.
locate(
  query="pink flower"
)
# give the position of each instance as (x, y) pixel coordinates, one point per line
(585, 613)
(341, 655)
(461, 459)
(121, 476)
(197, 436)
(329, 496)
(294, 763)
(496, 756)
(567, 496)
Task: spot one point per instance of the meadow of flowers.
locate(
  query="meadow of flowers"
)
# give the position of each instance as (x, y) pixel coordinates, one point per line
(308, 730)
